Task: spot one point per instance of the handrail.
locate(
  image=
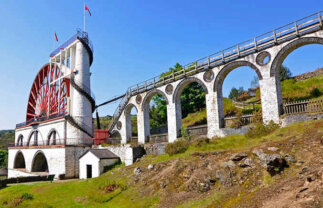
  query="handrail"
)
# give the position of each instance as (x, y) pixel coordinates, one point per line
(79, 34)
(261, 42)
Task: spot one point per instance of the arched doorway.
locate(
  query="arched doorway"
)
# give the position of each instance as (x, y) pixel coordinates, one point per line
(19, 161)
(39, 163)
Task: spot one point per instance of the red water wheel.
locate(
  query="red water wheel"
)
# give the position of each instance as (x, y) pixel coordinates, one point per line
(48, 94)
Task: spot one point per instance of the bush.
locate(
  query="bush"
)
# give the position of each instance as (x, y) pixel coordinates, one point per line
(315, 92)
(258, 116)
(179, 146)
(237, 122)
(260, 130)
(202, 141)
(27, 196)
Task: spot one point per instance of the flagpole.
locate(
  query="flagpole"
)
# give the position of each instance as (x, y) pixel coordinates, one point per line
(84, 16)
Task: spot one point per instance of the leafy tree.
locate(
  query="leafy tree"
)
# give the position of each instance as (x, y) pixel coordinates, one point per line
(3, 158)
(192, 100)
(255, 82)
(234, 93)
(284, 73)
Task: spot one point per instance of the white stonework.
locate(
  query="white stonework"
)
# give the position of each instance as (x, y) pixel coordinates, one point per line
(59, 141)
(97, 165)
(124, 151)
(268, 74)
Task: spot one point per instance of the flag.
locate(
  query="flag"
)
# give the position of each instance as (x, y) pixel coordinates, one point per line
(86, 8)
(56, 37)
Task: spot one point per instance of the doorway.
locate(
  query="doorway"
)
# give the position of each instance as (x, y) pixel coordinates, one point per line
(88, 171)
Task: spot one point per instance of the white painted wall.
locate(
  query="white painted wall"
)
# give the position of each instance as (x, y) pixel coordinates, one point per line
(89, 159)
(124, 151)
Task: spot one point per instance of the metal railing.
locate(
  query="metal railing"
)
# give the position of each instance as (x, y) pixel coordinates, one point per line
(303, 106)
(51, 143)
(79, 34)
(282, 34)
(40, 119)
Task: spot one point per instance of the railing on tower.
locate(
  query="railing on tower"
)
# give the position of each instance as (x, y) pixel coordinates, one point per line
(282, 34)
(79, 34)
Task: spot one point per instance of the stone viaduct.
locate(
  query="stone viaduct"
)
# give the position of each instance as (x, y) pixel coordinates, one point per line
(264, 54)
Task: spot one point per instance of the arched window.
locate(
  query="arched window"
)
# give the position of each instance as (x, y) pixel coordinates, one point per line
(33, 139)
(20, 140)
(51, 140)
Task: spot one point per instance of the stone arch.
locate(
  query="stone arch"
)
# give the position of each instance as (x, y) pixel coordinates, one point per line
(219, 83)
(39, 162)
(52, 137)
(19, 161)
(230, 67)
(150, 94)
(127, 125)
(33, 135)
(289, 48)
(20, 140)
(186, 81)
(146, 110)
(115, 133)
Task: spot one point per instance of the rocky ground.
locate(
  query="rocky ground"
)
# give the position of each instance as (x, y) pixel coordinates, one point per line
(288, 173)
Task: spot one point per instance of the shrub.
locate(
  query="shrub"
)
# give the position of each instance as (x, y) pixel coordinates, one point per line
(185, 134)
(237, 122)
(179, 146)
(258, 116)
(315, 92)
(202, 141)
(260, 130)
(27, 196)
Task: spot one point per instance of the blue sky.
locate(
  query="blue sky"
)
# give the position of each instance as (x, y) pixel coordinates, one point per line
(135, 40)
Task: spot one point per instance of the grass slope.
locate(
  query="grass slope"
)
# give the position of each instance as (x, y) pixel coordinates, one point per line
(93, 192)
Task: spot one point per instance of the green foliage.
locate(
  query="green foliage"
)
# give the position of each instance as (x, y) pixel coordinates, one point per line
(27, 196)
(6, 137)
(254, 82)
(237, 122)
(104, 122)
(229, 107)
(158, 112)
(201, 142)
(194, 119)
(192, 99)
(303, 89)
(260, 130)
(315, 92)
(234, 93)
(284, 73)
(177, 147)
(134, 126)
(3, 158)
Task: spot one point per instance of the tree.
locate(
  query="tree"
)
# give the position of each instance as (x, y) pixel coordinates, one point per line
(255, 82)
(192, 100)
(284, 73)
(233, 93)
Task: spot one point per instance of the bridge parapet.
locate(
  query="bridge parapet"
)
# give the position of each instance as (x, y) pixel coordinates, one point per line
(260, 53)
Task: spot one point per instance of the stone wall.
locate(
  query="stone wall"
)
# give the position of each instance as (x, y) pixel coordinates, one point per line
(289, 119)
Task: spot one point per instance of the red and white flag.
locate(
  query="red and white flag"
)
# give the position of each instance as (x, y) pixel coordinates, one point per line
(56, 37)
(87, 9)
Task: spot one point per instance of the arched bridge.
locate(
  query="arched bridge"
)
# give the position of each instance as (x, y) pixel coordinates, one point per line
(264, 54)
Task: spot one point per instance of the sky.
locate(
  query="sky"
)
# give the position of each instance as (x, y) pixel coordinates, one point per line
(136, 40)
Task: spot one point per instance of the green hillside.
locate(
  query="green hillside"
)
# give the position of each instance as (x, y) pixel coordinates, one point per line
(176, 180)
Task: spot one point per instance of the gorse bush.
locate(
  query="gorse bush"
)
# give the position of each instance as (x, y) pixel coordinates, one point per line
(200, 142)
(260, 130)
(179, 146)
